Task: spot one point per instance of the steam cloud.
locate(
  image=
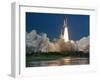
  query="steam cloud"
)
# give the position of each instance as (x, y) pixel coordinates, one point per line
(40, 42)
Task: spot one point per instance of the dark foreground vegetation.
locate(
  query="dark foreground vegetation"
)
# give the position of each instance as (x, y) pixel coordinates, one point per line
(43, 56)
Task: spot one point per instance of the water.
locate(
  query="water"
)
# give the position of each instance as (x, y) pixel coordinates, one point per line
(63, 61)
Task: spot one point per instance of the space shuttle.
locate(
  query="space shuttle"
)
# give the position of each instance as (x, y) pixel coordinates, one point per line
(65, 22)
(64, 30)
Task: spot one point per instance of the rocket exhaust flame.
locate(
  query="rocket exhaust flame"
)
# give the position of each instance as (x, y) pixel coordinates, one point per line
(65, 36)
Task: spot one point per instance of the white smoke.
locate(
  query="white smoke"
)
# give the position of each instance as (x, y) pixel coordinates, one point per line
(83, 44)
(41, 43)
(36, 42)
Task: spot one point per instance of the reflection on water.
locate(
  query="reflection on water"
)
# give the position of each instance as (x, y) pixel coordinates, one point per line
(63, 61)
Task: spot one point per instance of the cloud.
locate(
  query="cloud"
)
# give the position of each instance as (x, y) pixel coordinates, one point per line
(83, 44)
(36, 42)
(40, 42)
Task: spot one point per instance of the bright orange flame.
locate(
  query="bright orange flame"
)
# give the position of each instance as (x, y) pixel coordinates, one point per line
(66, 35)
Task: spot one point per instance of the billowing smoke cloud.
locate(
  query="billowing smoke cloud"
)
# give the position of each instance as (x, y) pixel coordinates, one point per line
(41, 43)
(36, 42)
(83, 44)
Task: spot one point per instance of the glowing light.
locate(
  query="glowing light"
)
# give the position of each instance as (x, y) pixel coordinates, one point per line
(65, 36)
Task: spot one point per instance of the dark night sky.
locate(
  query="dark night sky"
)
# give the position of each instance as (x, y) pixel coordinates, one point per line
(78, 25)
